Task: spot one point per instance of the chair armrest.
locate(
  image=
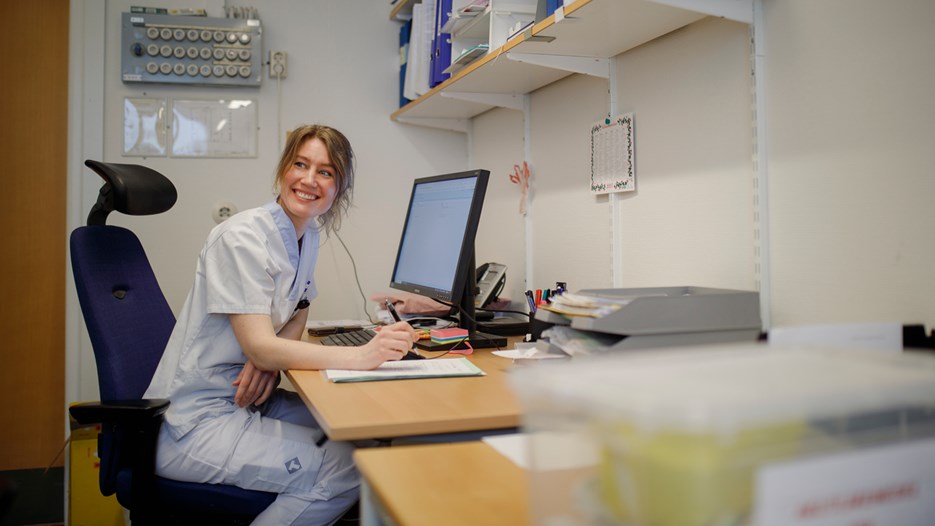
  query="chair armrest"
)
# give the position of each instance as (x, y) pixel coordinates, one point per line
(127, 442)
(120, 412)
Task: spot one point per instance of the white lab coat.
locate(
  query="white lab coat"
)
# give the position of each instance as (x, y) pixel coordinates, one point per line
(250, 264)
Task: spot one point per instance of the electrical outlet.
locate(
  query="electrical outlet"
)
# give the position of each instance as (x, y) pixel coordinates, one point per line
(278, 67)
(223, 210)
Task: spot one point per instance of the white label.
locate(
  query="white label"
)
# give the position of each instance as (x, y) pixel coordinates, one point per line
(880, 486)
(559, 14)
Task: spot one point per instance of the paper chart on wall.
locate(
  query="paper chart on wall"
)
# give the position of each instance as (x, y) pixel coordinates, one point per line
(144, 127)
(214, 128)
(612, 149)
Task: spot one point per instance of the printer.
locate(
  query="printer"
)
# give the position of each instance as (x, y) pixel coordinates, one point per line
(650, 317)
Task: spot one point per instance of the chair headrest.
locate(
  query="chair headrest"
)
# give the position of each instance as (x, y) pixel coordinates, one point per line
(130, 189)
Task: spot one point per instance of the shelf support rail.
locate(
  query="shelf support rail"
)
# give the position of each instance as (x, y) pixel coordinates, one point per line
(593, 66)
(761, 176)
(501, 100)
(736, 10)
(458, 125)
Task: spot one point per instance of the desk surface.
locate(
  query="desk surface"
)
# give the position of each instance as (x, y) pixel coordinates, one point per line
(460, 483)
(405, 408)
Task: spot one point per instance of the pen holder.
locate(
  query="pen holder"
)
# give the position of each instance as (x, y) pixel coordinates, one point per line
(536, 327)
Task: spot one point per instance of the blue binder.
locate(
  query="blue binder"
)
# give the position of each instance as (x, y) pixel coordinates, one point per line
(553, 5)
(404, 33)
(441, 44)
(545, 8)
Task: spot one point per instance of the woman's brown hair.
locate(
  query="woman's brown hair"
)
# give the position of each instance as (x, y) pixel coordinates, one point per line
(342, 158)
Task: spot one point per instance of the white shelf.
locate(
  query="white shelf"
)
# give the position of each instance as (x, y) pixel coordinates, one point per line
(598, 29)
(402, 10)
(472, 26)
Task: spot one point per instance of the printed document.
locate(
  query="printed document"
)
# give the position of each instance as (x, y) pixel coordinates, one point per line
(404, 369)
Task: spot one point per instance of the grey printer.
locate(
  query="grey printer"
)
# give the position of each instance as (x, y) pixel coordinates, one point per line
(670, 316)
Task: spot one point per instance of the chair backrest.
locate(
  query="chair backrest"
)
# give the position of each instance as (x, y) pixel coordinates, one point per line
(128, 318)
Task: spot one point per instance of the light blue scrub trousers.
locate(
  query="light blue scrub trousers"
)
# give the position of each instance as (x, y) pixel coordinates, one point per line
(271, 448)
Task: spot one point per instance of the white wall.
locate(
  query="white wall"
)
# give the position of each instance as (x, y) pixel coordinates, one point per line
(496, 145)
(571, 228)
(690, 220)
(851, 121)
(343, 67)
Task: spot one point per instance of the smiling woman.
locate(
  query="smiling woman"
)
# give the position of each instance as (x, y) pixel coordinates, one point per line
(241, 325)
(320, 152)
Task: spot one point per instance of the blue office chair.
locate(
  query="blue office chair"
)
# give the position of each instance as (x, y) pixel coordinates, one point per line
(129, 322)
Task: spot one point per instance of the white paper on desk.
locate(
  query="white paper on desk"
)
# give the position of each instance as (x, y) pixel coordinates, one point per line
(556, 450)
(406, 369)
(528, 351)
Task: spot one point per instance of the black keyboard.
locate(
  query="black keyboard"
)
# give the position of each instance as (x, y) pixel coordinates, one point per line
(355, 338)
(351, 338)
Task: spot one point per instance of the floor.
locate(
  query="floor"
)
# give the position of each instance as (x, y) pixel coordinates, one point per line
(32, 497)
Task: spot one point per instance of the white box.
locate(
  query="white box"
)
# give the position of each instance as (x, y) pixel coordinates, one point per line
(697, 436)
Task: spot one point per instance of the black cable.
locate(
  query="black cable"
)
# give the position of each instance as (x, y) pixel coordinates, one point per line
(356, 278)
(527, 314)
(448, 350)
(473, 321)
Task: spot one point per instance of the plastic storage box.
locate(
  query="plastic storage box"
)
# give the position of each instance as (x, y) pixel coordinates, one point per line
(706, 436)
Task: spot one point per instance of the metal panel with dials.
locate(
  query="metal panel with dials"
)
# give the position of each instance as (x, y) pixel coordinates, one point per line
(191, 50)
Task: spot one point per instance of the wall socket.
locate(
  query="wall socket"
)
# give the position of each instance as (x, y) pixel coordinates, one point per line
(222, 211)
(278, 68)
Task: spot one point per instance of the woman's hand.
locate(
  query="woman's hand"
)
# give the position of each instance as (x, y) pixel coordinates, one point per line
(390, 343)
(253, 385)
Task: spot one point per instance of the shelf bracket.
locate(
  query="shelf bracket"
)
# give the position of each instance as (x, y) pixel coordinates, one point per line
(736, 10)
(458, 125)
(501, 100)
(594, 66)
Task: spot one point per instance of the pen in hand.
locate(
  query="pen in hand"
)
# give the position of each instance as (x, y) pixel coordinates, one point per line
(392, 309)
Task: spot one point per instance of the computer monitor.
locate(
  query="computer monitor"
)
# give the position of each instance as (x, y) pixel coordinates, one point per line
(436, 250)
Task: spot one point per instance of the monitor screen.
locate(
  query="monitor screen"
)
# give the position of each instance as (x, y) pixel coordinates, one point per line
(436, 250)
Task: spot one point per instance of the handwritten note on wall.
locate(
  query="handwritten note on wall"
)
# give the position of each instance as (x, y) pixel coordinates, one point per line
(612, 164)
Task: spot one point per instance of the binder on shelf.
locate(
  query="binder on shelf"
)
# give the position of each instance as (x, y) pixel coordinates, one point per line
(418, 66)
(441, 44)
(404, 31)
(545, 8)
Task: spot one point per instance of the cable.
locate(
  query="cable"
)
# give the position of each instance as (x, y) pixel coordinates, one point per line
(473, 321)
(356, 278)
(527, 314)
(453, 347)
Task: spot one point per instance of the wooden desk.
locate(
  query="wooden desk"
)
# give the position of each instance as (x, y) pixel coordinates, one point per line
(462, 483)
(406, 408)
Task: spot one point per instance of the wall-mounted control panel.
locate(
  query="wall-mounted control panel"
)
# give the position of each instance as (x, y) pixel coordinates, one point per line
(191, 50)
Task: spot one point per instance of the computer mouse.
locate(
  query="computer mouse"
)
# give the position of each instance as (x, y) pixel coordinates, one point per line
(412, 355)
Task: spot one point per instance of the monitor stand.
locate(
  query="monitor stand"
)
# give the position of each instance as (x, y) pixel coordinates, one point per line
(477, 339)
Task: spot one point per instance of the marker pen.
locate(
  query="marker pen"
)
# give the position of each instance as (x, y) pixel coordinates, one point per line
(531, 301)
(392, 309)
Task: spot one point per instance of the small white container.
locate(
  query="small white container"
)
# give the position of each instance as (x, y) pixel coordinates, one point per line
(676, 438)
